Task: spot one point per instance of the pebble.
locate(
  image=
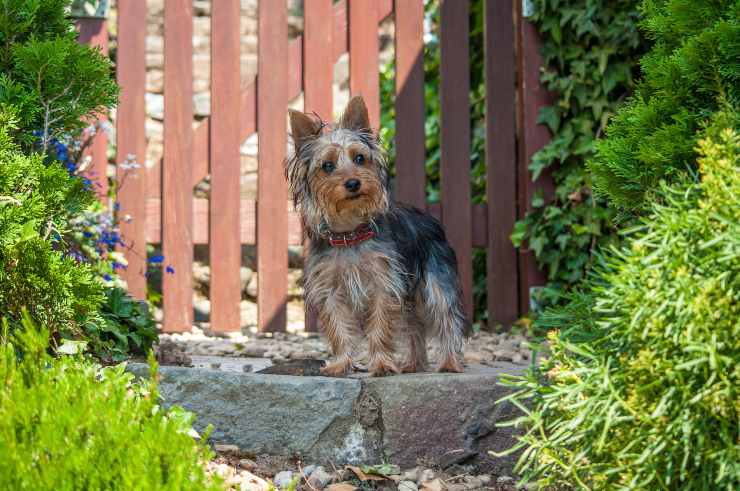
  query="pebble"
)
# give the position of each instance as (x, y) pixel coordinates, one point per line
(504, 480)
(308, 470)
(319, 478)
(247, 464)
(407, 486)
(426, 475)
(282, 479)
(224, 448)
(411, 475)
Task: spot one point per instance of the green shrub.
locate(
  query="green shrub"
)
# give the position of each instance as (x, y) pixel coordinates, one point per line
(58, 255)
(66, 423)
(691, 73)
(54, 82)
(590, 53)
(36, 201)
(642, 387)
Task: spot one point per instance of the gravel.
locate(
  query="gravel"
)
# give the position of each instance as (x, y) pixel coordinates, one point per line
(482, 348)
(246, 474)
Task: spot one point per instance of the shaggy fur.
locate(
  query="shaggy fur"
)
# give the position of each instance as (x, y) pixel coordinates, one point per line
(401, 283)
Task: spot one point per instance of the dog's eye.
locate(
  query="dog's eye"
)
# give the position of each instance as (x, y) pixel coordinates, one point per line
(359, 159)
(328, 167)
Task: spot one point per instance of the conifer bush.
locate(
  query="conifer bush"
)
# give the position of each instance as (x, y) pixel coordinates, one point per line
(691, 72)
(67, 423)
(642, 387)
(58, 255)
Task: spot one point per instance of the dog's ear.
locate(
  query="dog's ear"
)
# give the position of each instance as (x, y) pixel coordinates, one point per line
(355, 115)
(303, 128)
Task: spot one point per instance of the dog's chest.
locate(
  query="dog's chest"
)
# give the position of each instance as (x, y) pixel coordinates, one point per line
(355, 274)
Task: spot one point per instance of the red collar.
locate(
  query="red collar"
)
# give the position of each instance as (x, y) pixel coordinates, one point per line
(346, 239)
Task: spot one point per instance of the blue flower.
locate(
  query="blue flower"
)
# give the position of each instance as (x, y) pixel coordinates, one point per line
(107, 277)
(169, 269)
(156, 259)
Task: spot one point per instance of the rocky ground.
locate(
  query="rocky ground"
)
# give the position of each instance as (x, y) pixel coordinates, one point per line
(257, 473)
(483, 348)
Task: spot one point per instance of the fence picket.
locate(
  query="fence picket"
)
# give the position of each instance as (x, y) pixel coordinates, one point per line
(455, 140)
(94, 32)
(533, 136)
(131, 141)
(272, 193)
(225, 248)
(364, 79)
(500, 161)
(318, 75)
(410, 140)
(177, 189)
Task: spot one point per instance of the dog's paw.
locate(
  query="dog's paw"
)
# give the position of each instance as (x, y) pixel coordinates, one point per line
(451, 364)
(383, 367)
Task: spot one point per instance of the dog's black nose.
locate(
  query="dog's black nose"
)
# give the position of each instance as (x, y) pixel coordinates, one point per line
(352, 185)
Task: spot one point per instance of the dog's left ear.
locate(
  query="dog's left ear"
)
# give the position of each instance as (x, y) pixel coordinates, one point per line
(303, 128)
(355, 116)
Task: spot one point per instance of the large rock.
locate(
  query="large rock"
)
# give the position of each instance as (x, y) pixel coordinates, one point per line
(441, 418)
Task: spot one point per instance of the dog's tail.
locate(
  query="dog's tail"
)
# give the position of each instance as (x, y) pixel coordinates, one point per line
(444, 312)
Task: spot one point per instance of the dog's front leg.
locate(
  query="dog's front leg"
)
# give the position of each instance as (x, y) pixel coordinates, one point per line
(384, 314)
(336, 321)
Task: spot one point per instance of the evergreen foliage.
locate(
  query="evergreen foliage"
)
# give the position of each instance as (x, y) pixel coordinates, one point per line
(590, 51)
(54, 82)
(67, 423)
(641, 389)
(57, 245)
(692, 72)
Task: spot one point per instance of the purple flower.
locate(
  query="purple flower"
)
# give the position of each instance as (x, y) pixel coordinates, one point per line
(156, 259)
(169, 269)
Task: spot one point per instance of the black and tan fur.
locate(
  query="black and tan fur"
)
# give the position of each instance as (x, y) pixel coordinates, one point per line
(400, 283)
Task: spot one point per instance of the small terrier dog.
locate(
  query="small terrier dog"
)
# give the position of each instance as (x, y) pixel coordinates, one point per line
(375, 269)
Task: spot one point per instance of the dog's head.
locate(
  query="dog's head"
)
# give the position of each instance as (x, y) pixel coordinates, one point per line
(337, 178)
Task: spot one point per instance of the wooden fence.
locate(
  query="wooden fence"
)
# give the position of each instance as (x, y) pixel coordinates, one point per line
(160, 200)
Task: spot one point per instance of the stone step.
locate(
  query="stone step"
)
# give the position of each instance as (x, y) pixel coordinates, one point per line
(428, 418)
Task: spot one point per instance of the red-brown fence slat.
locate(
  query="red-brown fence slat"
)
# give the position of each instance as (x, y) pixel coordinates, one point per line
(224, 243)
(94, 32)
(364, 79)
(533, 136)
(410, 140)
(272, 192)
(318, 74)
(177, 188)
(455, 139)
(131, 143)
(502, 278)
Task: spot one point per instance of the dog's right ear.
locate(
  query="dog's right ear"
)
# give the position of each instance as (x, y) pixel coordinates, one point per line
(303, 128)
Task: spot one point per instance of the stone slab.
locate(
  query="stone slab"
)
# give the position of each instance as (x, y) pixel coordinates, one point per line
(426, 418)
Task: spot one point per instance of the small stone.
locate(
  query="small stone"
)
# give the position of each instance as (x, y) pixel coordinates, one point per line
(282, 479)
(308, 470)
(225, 448)
(517, 358)
(484, 479)
(411, 475)
(504, 480)
(426, 475)
(251, 289)
(245, 275)
(407, 486)
(224, 470)
(319, 478)
(503, 355)
(250, 482)
(247, 464)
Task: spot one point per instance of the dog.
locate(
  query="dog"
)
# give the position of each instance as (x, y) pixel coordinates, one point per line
(375, 269)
